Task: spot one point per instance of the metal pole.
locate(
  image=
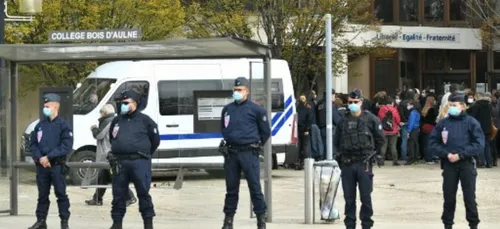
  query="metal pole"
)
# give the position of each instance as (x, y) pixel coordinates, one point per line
(309, 190)
(328, 81)
(4, 82)
(14, 180)
(268, 150)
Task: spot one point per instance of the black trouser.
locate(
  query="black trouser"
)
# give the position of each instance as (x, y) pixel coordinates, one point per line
(494, 152)
(303, 146)
(104, 178)
(413, 148)
(466, 173)
(356, 174)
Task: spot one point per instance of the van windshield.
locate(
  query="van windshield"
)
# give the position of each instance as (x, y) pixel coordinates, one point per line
(90, 93)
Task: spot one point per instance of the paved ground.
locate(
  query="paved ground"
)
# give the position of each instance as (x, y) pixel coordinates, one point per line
(404, 197)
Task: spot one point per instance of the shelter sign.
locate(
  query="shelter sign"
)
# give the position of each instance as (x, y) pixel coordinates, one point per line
(211, 108)
(95, 35)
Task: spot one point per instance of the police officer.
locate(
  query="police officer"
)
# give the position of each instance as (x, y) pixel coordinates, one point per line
(134, 138)
(456, 140)
(51, 141)
(357, 137)
(244, 127)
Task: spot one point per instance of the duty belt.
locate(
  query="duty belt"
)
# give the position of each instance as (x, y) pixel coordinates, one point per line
(243, 148)
(351, 159)
(129, 157)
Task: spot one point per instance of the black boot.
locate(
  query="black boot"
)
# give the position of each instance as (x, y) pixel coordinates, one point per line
(64, 224)
(448, 227)
(473, 227)
(117, 225)
(40, 224)
(228, 222)
(148, 223)
(261, 222)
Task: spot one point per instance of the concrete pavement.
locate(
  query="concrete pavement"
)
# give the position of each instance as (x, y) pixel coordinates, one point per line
(403, 198)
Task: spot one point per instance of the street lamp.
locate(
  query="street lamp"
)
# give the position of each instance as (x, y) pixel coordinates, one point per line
(29, 7)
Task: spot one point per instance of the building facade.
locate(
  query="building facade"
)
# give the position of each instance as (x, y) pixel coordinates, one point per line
(432, 45)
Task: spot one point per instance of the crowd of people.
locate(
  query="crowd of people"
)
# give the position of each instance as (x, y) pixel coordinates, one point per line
(408, 117)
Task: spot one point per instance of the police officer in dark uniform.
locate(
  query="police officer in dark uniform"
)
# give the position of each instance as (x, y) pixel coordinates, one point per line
(245, 127)
(456, 140)
(134, 138)
(358, 137)
(51, 141)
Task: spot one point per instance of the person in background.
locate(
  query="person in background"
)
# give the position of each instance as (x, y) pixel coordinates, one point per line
(321, 114)
(389, 117)
(412, 128)
(481, 111)
(397, 99)
(341, 107)
(444, 100)
(376, 102)
(101, 134)
(423, 96)
(315, 143)
(470, 98)
(408, 97)
(429, 115)
(304, 122)
(494, 114)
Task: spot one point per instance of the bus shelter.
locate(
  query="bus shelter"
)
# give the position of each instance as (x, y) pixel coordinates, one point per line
(207, 48)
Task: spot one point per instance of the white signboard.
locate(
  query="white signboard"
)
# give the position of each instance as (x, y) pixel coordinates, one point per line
(96, 35)
(418, 37)
(211, 108)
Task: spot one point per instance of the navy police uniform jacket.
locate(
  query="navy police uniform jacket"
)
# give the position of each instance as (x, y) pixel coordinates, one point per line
(134, 133)
(464, 137)
(53, 139)
(244, 123)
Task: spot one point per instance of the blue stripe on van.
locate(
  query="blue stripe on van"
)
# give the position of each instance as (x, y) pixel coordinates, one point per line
(275, 120)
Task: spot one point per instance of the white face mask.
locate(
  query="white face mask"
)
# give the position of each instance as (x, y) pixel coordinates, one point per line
(469, 100)
(398, 101)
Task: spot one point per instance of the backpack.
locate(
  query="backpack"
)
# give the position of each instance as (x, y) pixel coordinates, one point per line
(387, 121)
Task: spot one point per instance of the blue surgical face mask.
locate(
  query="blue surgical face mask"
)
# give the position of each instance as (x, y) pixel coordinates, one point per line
(237, 96)
(124, 108)
(354, 108)
(47, 112)
(454, 111)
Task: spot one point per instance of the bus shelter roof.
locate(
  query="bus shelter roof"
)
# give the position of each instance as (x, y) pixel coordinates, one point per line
(227, 47)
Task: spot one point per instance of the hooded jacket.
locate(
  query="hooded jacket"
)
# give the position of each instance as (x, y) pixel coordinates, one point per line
(396, 119)
(101, 134)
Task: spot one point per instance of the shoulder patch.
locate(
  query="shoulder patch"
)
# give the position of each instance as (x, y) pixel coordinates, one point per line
(264, 118)
(380, 126)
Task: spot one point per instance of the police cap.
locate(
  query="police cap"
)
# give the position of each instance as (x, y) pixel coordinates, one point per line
(241, 81)
(130, 94)
(457, 97)
(51, 97)
(355, 94)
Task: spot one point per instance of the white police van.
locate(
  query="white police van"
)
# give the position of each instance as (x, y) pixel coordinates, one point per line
(170, 86)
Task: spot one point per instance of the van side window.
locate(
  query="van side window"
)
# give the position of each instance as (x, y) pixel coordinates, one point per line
(140, 86)
(258, 93)
(176, 97)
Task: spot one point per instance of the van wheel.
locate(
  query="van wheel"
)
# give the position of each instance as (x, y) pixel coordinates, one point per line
(76, 175)
(217, 173)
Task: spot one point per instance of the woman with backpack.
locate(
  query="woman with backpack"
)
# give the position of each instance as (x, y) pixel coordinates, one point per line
(390, 119)
(429, 115)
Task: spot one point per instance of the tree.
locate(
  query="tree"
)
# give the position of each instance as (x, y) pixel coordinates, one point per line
(158, 19)
(486, 16)
(294, 29)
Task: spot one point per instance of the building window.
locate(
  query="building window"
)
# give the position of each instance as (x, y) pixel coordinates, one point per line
(408, 10)
(459, 59)
(458, 10)
(433, 10)
(434, 59)
(496, 59)
(383, 10)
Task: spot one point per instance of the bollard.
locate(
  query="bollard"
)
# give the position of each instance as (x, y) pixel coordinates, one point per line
(309, 190)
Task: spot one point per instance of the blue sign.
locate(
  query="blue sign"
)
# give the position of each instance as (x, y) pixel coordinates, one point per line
(419, 37)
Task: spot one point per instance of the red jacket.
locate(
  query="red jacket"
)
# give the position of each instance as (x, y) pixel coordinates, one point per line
(396, 119)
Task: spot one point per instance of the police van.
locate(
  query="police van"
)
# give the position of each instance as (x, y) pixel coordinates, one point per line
(177, 95)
